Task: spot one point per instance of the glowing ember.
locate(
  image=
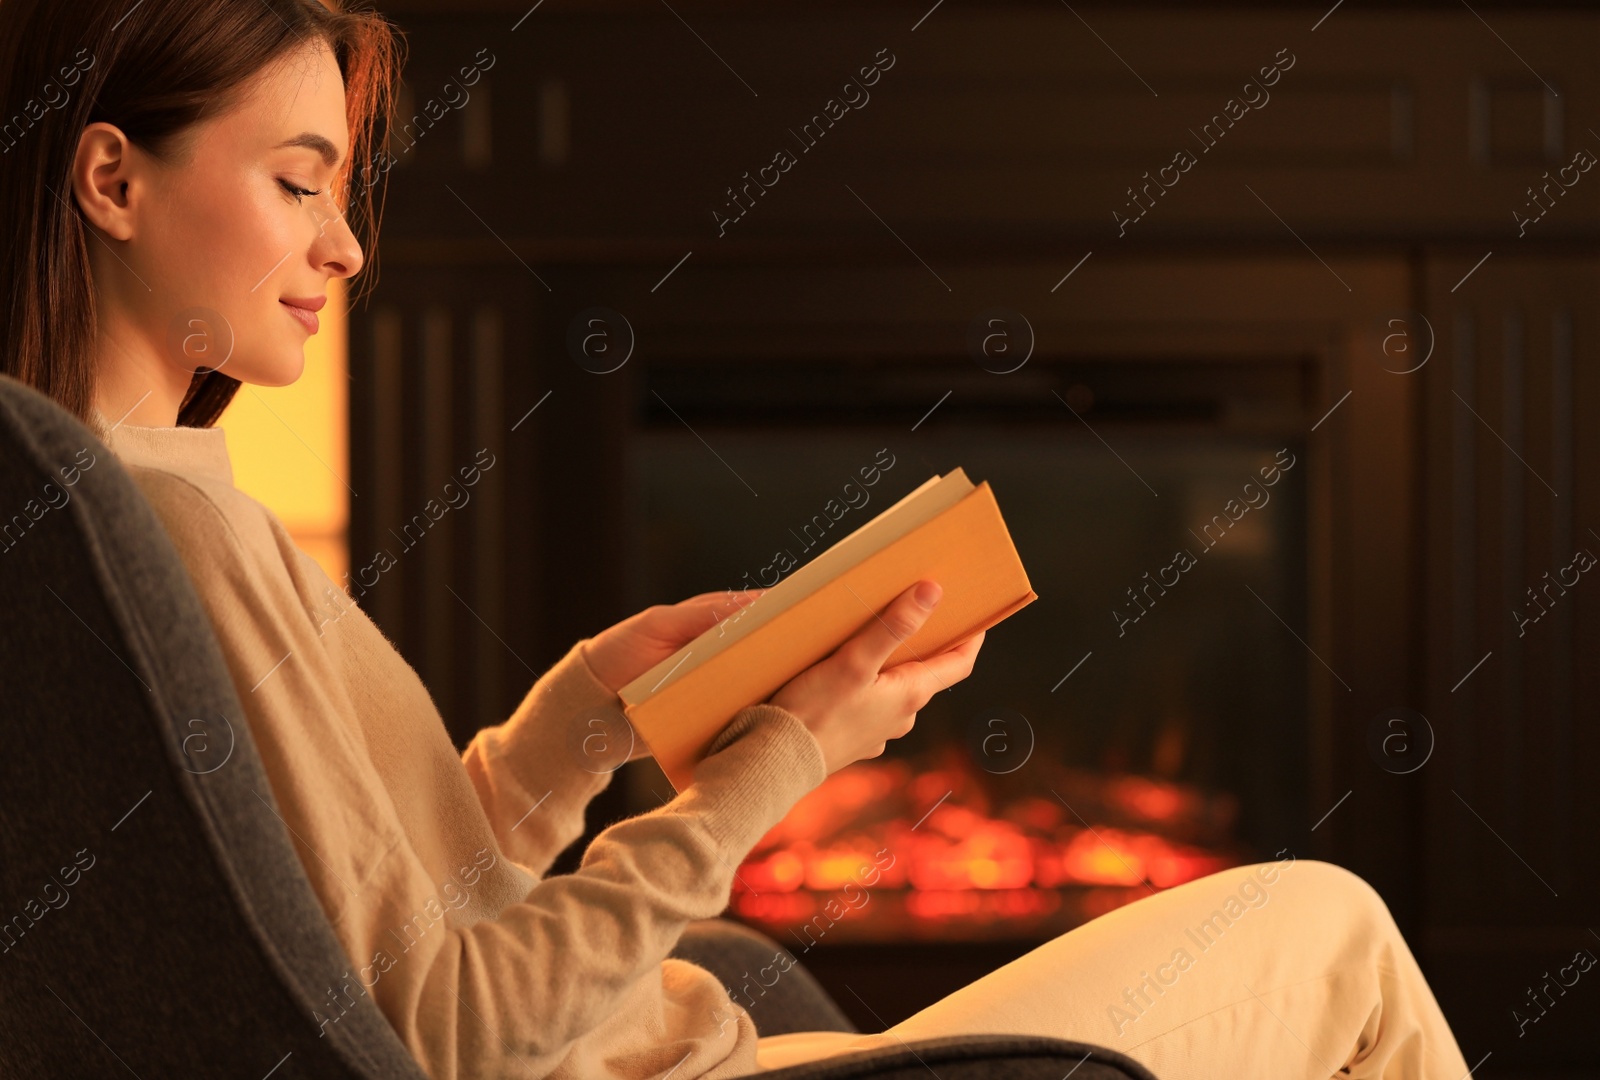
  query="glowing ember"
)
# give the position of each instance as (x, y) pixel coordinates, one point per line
(930, 852)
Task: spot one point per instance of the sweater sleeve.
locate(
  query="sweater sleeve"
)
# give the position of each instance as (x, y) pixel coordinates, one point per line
(512, 993)
(521, 769)
(517, 991)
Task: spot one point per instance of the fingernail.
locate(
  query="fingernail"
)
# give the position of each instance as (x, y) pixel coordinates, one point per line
(928, 593)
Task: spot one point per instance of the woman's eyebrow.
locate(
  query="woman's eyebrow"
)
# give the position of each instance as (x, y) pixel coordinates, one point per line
(313, 141)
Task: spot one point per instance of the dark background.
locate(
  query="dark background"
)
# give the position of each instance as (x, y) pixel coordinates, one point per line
(1359, 223)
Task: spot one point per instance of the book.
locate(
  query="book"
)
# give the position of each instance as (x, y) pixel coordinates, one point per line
(947, 529)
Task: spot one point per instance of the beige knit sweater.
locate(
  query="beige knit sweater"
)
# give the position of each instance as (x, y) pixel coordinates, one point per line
(429, 863)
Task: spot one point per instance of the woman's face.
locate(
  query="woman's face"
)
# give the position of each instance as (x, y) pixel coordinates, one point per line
(218, 255)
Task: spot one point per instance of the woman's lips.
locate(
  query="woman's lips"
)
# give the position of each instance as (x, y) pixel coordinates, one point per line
(306, 317)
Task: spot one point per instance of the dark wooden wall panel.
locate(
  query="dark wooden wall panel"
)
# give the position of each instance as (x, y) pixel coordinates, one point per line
(1424, 123)
(1511, 856)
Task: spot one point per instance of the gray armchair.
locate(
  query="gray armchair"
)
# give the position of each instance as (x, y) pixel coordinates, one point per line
(156, 919)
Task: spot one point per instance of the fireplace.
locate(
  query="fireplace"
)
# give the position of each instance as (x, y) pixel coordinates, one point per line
(1111, 740)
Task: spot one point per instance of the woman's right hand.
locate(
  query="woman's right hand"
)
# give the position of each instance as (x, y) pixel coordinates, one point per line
(851, 706)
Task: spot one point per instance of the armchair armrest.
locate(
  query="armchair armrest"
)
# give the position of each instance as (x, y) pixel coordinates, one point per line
(972, 1057)
(736, 953)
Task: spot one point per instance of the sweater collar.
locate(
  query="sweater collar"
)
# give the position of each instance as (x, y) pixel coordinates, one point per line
(191, 451)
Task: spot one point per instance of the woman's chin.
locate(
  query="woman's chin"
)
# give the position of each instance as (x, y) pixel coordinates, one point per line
(280, 371)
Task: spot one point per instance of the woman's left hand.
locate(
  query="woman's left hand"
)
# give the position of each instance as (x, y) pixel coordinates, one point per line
(621, 653)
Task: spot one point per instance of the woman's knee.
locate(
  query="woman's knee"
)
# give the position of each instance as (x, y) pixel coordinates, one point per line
(1345, 892)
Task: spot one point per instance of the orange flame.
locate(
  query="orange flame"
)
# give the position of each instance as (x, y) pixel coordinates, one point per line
(861, 829)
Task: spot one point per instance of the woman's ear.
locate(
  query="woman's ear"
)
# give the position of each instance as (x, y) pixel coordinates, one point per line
(107, 179)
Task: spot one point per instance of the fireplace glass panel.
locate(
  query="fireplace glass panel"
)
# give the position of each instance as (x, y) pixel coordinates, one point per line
(1090, 758)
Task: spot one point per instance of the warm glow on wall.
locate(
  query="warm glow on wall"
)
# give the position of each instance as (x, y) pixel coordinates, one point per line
(289, 444)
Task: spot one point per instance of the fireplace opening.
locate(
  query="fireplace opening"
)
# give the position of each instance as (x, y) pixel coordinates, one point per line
(1142, 724)
(921, 848)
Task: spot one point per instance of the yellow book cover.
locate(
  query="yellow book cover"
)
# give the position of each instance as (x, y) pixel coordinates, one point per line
(948, 529)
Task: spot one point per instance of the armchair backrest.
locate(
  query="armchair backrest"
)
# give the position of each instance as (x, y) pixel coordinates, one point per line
(153, 911)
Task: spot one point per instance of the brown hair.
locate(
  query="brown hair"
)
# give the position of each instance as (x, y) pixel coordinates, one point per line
(151, 69)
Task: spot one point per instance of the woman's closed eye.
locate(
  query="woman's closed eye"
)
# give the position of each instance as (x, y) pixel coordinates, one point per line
(299, 193)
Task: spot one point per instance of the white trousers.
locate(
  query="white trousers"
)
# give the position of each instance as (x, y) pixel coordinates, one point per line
(1279, 970)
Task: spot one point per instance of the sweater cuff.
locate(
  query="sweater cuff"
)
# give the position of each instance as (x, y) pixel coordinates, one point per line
(569, 724)
(758, 767)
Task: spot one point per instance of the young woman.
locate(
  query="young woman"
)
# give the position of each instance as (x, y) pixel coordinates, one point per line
(185, 178)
